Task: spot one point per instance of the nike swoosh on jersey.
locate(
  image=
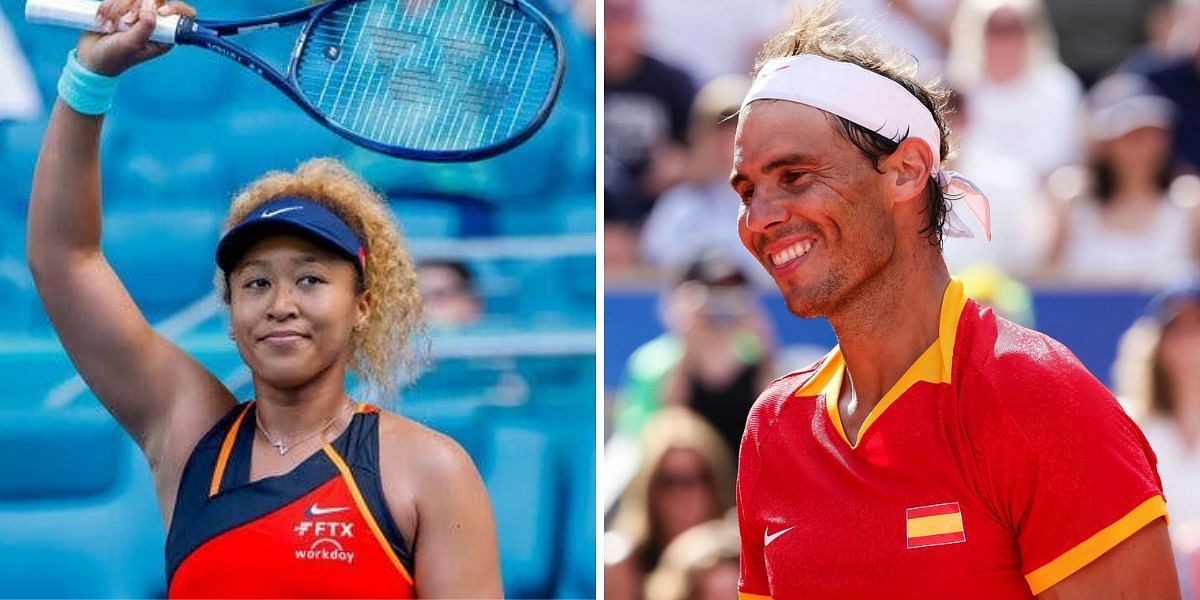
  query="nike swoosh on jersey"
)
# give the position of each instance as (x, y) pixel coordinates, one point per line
(769, 537)
(316, 511)
(271, 213)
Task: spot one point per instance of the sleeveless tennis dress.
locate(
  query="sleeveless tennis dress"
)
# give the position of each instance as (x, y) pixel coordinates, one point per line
(320, 530)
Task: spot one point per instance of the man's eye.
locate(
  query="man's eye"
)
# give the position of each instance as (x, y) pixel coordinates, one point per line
(747, 194)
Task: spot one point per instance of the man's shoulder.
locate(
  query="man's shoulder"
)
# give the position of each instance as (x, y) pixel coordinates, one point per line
(1004, 352)
(1023, 371)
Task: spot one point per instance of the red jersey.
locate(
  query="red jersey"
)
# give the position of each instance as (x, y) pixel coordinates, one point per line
(320, 530)
(996, 467)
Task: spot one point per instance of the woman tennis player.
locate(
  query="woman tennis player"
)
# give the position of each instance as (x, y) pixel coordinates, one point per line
(301, 492)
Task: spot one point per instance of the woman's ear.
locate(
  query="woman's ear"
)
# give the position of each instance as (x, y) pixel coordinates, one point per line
(362, 310)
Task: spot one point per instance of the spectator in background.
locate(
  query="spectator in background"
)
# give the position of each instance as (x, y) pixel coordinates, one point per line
(714, 358)
(685, 478)
(448, 288)
(921, 27)
(1022, 218)
(1096, 36)
(1173, 32)
(1178, 79)
(1157, 376)
(646, 104)
(1024, 102)
(701, 564)
(1129, 228)
(695, 215)
(710, 38)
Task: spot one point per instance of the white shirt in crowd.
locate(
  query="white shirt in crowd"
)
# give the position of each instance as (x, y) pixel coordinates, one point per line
(709, 38)
(1095, 252)
(1034, 118)
(692, 218)
(1022, 222)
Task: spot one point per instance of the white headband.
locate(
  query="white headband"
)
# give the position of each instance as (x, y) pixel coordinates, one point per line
(876, 103)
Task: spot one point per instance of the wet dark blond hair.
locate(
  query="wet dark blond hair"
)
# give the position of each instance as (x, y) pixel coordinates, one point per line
(387, 346)
(818, 33)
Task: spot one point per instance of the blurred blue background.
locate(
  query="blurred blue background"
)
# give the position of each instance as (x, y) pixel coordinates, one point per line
(516, 386)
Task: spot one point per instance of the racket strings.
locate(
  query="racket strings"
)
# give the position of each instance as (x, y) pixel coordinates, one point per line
(453, 75)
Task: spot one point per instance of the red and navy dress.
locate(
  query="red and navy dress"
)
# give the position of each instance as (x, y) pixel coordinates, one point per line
(320, 530)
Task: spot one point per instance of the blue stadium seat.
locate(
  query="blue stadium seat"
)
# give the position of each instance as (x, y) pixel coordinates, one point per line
(166, 162)
(460, 421)
(498, 282)
(576, 213)
(77, 453)
(22, 313)
(544, 298)
(457, 380)
(576, 157)
(84, 534)
(45, 49)
(264, 133)
(577, 577)
(443, 216)
(18, 298)
(580, 283)
(31, 368)
(20, 143)
(164, 256)
(560, 382)
(188, 83)
(427, 219)
(521, 480)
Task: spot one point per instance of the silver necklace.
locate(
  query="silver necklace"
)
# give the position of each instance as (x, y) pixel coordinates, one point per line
(279, 444)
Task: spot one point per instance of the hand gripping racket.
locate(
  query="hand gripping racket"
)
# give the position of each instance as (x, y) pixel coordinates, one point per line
(435, 80)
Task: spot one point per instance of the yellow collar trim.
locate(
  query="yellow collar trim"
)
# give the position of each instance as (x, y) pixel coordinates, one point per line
(933, 366)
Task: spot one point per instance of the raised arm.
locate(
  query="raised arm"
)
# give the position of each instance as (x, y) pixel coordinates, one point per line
(162, 397)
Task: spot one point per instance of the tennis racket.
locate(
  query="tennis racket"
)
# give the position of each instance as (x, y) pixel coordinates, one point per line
(434, 80)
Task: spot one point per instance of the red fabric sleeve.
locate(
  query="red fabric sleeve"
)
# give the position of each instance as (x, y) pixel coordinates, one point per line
(1064, 465)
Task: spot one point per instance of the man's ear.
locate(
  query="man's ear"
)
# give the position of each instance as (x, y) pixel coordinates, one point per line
(907, 170)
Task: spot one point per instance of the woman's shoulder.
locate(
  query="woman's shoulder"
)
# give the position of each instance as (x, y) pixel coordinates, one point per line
(424, 452)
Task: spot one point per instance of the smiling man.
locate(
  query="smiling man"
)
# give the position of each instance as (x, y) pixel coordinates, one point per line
(938, 450)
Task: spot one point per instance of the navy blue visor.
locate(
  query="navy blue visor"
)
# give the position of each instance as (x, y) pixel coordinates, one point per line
(295, 216)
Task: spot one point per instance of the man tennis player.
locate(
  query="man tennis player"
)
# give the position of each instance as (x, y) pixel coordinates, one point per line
(939, 451)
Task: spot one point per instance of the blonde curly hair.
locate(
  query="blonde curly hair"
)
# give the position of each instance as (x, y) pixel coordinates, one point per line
(387, 347)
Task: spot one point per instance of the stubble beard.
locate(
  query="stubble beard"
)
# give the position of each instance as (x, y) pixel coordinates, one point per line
(818, 299)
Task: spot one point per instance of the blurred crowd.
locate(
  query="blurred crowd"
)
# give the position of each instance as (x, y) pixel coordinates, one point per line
(1079, 119)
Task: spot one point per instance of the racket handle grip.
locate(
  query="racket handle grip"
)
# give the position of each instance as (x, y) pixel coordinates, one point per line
(81, 14)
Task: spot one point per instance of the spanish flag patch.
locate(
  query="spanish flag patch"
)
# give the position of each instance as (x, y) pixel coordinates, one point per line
(934, 525)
